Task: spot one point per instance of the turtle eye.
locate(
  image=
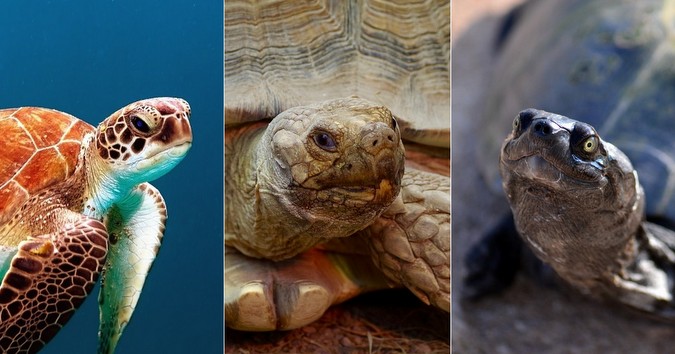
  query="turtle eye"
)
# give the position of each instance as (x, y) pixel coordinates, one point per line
(139, 124)
(325, 141)
(590, 145)
(516, 123)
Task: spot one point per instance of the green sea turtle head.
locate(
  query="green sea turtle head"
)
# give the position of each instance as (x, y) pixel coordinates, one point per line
(146, 139)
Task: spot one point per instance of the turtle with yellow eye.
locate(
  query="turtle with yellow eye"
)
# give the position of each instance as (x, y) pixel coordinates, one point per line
(592, 198)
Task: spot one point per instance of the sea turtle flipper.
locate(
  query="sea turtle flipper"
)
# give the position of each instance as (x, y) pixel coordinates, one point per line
(48, 279)
(411, 240)
(136, 226)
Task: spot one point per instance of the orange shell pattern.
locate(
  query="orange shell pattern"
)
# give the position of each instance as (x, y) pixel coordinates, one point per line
(38, 148)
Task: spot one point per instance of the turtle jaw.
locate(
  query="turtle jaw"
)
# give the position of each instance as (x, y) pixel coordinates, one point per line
(161, 162)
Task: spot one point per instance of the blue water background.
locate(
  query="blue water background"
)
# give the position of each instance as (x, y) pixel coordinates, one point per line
(89, 58)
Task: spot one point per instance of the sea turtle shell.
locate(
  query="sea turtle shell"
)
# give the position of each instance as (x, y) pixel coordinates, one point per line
(39, 148)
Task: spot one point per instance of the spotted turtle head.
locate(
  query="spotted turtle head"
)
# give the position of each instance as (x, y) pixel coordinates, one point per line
(145, 139)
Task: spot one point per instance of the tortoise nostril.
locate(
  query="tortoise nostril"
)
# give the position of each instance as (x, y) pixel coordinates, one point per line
(542, 128)
(391, 138)
(375, 142)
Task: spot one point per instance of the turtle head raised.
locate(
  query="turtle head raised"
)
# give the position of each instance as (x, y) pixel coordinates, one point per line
(145, 139)
(576, 198)
(341, 160)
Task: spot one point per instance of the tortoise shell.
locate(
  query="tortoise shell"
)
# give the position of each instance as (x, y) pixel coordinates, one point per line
(280, 55)
(39, 148)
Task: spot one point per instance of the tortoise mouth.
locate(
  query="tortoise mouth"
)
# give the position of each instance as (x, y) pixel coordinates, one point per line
(383, 192)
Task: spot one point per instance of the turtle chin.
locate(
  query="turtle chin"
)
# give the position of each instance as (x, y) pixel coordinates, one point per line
(159, 163)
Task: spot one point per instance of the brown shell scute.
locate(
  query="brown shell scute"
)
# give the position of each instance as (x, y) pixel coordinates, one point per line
(40, 147)
(397, 54)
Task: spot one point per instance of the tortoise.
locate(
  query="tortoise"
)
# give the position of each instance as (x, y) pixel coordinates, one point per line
(317, 99)
(595, 201)
(75, 203)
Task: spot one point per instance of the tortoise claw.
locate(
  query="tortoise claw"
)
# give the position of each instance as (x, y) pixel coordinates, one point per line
(262, 295)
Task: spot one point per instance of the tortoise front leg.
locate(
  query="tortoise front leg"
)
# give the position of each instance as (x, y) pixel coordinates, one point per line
(264, 295)
(48, 279)
(411, 240)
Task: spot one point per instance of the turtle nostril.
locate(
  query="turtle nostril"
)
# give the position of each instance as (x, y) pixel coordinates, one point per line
(391, 138)
(542, 128)
(547, 130)
(375, 142)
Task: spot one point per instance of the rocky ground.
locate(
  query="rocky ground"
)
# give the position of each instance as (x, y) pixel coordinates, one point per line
(528, 318)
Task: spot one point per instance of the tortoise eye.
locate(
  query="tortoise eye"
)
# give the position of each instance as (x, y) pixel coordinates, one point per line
(139, 124)
(325, 141)
(590, 145)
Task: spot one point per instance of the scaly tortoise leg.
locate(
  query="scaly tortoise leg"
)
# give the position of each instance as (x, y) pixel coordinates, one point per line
(411, 240)
(49, 278)
(262, 295)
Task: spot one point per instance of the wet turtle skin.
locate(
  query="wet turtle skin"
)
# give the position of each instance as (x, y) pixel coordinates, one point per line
(606, 63)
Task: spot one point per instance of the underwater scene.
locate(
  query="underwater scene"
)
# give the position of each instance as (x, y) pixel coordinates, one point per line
(91, 58)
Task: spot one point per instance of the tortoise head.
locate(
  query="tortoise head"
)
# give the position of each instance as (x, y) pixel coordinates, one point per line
(340, 160)
(145, 139)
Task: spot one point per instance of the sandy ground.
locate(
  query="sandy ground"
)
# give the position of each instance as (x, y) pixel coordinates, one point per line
(528, 318)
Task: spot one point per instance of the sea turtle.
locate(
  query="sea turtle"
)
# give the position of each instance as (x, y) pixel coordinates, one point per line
(344, 81)
(75, 203)
(577, 201)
